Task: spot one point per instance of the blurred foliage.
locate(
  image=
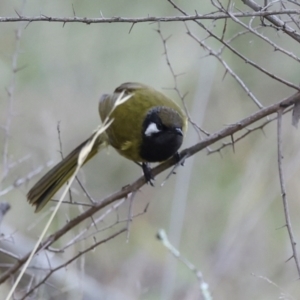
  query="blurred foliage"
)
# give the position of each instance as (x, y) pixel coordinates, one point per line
(233, 210)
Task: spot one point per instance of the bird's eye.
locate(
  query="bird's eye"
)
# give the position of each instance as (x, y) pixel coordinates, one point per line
(160, 126)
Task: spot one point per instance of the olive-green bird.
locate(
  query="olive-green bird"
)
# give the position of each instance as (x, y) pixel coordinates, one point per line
(148, 127)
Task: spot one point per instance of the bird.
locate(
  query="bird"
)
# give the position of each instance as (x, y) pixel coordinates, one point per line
(148, 127)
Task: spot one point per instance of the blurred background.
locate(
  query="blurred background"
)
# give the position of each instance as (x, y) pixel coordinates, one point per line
(222, 211)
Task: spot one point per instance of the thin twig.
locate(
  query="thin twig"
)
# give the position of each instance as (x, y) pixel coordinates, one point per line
(130, 215)
(283, 294)
(80, 236)
(64, 265)
(4, 208)
(11, 100)
(275, 20)
(8, 253)
(20, 181)
(102, 19)
(237, 53)
(204, 287)
(283, 190)
(137, 184)
(176, 88)
(226, 67)
(248, 131)
(62, 156)
(261, 36)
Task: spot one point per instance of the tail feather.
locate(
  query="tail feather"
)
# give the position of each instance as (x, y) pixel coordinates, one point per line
(52, 181)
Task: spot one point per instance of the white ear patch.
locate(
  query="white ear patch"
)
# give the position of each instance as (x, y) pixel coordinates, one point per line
(151, 129)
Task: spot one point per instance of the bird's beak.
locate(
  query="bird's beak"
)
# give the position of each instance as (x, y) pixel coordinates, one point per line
(178, 131)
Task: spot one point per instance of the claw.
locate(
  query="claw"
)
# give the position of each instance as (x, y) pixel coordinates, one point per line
(179, 160)
(148, 174)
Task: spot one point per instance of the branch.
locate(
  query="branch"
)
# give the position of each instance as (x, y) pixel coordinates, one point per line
(204, 287)
(211, 16)
(242, 136)
(234, 51)
(176, 88)
(264, 38)
(11, 100)
(225, 65)
(64, 265)
(20, 181)
(124, 192)
(274, 20)
(4, 208)
(283, 191)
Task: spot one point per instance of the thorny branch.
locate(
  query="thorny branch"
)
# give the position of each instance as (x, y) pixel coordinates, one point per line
(176, 87)
(243, 135)
(212, 16)
(226, 66)
(237, 53)
(188, 152)
(71, 260)
(11, 100)
(279, 24)
(204, 287)
(281, 20)
(292, 33)
(283, 190)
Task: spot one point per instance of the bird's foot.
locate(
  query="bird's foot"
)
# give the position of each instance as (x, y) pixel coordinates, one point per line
(148, 174)
(180, 160)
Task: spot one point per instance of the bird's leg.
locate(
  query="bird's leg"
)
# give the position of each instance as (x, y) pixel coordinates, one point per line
(147, 173)
(180, 160)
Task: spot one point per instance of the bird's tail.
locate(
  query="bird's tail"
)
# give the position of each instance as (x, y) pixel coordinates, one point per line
(52, 181)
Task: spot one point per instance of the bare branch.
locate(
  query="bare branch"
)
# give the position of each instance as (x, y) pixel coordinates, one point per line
(226, 66)
(237, 53)
(204, 287)
(71, 260)
(212, 16)
(20, 181)
(255, 32)
(280, 25)
(276, 15)
(176, 88)
(4, 208)
(11, 100)
(283, 191)
(124, 192)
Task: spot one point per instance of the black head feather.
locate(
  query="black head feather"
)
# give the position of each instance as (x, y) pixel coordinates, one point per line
(162, 134)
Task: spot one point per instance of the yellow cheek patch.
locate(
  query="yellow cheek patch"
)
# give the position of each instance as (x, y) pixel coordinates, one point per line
(125, 146)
